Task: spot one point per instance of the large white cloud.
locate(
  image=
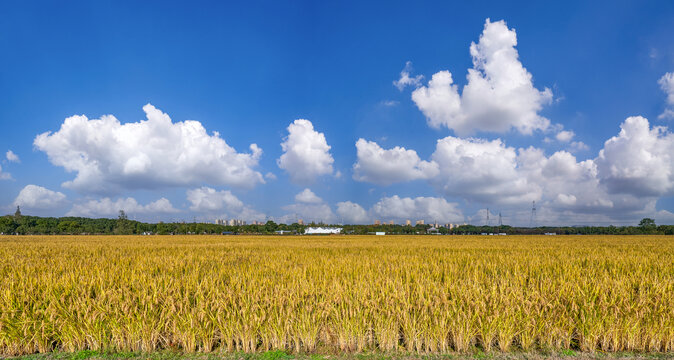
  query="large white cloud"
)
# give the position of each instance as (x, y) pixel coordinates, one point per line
(306, 153)
(107, 207)
(499, 95)
(419, 208)
(12, 157)
(667, 84)
(109, 157)
(385, 167)
(352, 213)
(639, 161)
(630, 173)
(481, 170)
(35, 197)
(222, 203)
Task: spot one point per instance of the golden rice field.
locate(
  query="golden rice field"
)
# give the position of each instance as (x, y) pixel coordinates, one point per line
(426, 294)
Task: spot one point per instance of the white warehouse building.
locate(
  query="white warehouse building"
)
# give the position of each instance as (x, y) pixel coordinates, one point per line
(322, 230)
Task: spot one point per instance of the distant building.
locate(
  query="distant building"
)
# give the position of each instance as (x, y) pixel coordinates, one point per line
(322, 230)
(432, 230)
(408, 223)
(380, 233)
(235, 222)
(420, 222)
(300, 221)
(377, 222)
(390, 222)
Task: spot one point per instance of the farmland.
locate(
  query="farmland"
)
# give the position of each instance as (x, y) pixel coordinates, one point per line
(418, 294)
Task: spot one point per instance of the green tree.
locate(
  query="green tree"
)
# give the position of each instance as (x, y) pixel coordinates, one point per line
(270, 227)
(124, 226)
(647, 226)
(647, 223)
(7, 225)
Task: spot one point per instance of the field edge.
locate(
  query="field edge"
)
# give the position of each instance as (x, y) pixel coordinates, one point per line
(281, 355)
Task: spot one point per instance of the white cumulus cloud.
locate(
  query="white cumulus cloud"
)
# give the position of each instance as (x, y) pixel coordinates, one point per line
(405, 78)
(306, 153)
(481, 170)
(307, 196)
(223, 203)
(667, 84)
(385, 167)
(12, 157)
(35, 197)
(426, 208)
(499, 95)
(352, 213)
(639, 160)
(109, 156)
(308, 207)
(565, 136)
(108, 207)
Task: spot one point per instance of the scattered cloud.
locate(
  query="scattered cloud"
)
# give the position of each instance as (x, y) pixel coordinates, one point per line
(667, 84)
(110, 157)
(33, 197)
(308, 197)
(653, 53)
(270, 176)
(107, 207)
(4, 175)
(306, 153)
(390, 103)
(499, 95)
(405, 80)
(577, 146)
(565, 136)
(385, 167)
(12, 157)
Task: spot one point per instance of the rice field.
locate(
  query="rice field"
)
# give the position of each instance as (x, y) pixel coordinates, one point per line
(418, 294)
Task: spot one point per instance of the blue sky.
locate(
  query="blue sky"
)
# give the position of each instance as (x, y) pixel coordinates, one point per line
(248, 72)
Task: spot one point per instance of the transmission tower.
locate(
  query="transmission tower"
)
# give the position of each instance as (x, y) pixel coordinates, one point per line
(500, 219)
(532, 221)
(487, 217)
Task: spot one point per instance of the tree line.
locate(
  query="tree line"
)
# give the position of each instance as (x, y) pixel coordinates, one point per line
(35, 225)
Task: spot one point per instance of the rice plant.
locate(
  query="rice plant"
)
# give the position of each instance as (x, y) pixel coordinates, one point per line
(421, 294)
